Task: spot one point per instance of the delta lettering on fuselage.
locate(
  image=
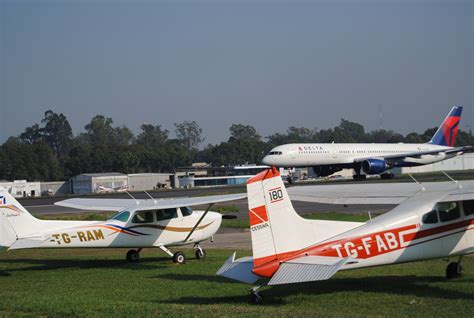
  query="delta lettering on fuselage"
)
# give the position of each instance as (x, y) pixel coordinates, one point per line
(310, 148)
(375, 243)
(82, 236)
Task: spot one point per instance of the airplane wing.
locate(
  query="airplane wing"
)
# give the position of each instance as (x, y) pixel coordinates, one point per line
(308, 269)
(367, 193)
(375, 193)
(401, 156)
(121, 204)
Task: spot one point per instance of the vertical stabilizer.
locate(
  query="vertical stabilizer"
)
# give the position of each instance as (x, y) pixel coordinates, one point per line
(447, 132)
(275, 226)
(18, 218)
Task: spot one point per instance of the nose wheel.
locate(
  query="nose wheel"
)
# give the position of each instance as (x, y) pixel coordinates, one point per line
(255, 297)
(200, 252)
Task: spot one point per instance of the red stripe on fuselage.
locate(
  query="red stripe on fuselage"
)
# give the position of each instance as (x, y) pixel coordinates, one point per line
(361, 247)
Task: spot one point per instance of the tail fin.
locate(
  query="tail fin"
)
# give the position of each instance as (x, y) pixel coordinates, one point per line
(447, 132)
(274, 225)
(14, 218)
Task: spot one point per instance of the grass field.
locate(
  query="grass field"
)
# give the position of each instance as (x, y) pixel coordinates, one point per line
(98, 282)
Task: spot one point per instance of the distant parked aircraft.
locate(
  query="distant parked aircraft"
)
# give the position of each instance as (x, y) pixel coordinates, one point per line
(371, 159)
(433, 220)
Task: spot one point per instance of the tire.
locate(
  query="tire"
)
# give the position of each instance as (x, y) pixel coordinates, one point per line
(179, 258)
(454, 270)
(200, 253)
(359, 177)
(133, 256)
(255, 298)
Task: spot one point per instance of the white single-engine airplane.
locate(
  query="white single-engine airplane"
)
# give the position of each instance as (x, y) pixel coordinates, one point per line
(372, 159)
(434, 220)
(140, 223)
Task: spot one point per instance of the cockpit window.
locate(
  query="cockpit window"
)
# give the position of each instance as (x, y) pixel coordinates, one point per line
(166, 214)
(186, 210)
(274, 153)
(448, 211)
(121, 216)
(468, 207)
(143, 217)
(430, 217)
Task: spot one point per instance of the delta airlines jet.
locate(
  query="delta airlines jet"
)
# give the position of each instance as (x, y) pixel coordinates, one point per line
(371, 159)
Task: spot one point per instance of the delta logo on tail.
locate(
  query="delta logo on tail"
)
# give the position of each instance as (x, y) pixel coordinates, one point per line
(447, 132)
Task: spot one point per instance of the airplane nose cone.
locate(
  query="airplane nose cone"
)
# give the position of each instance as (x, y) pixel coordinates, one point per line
(267, 161)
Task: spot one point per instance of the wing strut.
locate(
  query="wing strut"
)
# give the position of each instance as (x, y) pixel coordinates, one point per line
(198, 222)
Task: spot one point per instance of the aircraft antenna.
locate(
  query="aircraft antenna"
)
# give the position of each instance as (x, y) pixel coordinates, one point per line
(416, 181)
(452, 179)
(136, 201)
(154, 201)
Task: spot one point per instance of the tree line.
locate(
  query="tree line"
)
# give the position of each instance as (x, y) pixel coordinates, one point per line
(49, 151)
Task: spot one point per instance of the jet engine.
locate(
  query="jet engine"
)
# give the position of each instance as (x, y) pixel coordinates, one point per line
(374, 166)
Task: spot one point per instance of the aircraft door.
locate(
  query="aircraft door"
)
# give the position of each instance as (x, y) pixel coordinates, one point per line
(468, 209)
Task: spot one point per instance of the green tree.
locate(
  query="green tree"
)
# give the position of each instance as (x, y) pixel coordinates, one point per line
(152, 135)
(57, 133)
(189, 133)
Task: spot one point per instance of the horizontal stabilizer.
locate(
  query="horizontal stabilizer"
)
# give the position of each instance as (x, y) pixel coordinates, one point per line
(240, 269)
(308, 269)
(121, 204)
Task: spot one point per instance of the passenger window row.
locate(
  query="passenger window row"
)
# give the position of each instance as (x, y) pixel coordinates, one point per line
(448, 211)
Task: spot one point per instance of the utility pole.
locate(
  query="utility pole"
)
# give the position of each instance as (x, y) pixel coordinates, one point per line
(380, 116)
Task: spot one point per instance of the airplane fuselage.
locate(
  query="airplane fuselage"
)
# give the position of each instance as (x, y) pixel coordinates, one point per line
(115, 233)
(308, 155)
(398, 236)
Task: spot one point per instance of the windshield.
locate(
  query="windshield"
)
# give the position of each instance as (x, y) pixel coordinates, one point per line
(186, 211)
(122, 216)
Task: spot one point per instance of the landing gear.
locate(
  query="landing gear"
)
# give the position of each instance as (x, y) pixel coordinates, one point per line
(179, 258)
(200, 252)
(386, 176)
(255, 297)
(359, 177)
(454, 270)
(133, 256)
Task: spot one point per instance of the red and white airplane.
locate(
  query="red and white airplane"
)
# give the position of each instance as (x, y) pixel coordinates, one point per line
(433, 220)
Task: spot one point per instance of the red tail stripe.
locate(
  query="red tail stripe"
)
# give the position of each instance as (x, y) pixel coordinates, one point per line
(266, 174)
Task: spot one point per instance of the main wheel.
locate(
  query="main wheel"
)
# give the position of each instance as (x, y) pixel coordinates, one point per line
(133, 256)
(454, 270)
(179, 258)
(359, 177)
(200, 253)
(255, 298)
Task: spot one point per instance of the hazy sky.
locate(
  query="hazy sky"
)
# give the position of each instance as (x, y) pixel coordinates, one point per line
(270, 64)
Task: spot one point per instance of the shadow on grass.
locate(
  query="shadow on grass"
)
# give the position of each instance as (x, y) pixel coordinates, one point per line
(418, 286)
(196, 277)
(53, 264)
